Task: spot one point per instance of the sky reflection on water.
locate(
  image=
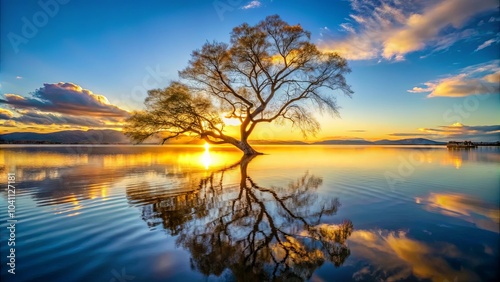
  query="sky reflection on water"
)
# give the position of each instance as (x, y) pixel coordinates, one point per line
(300, 212)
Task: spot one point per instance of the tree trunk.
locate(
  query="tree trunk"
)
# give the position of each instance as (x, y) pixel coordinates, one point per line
(245, 160)
(247, 149)
(242, 145)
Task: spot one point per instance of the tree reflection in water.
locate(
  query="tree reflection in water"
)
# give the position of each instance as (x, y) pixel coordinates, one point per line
(257, 233)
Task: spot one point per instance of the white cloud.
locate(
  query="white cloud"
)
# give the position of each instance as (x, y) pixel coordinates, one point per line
(429, 87)
(323, 31)
(390, 29)
(446, 41)
(487, 43)
(348, 27)
(252, 5)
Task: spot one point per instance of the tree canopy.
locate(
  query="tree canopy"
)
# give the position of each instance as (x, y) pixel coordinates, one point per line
(269, 72)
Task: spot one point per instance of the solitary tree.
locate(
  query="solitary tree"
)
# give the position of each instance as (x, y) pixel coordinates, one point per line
(269, 72)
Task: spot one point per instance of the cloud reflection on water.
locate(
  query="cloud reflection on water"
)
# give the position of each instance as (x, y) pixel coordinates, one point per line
(393, 256)
(476, 211)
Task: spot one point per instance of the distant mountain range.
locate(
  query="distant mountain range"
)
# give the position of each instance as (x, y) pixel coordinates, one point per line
(117, 137)
(105, 136)
(409, 141)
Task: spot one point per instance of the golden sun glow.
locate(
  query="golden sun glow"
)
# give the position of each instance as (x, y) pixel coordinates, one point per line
(206, 159)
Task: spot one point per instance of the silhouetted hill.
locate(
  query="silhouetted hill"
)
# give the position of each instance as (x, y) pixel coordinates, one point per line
(277, 142)
(104, 136)
(410, 141)
(343, 142)
(107, 136)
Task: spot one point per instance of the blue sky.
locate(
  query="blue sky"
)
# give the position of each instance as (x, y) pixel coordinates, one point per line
(419, 68)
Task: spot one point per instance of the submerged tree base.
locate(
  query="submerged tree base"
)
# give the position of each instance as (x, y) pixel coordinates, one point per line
(247, 149)
(252, 153)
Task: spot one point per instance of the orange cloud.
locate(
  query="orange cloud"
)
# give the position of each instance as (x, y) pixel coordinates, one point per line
(477, 79)
(5, 114)
(459, 86)
(458, 131)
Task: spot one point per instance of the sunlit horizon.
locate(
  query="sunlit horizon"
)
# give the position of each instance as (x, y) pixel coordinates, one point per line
(406, 84)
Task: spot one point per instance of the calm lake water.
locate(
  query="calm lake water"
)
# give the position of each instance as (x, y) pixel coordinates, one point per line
(318, 213)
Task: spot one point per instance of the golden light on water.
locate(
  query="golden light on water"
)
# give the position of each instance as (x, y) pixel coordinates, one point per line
(76, 206)
(48, 165)
(69, 210)
(99, 191)
(206, 159)
(43, 165)
(104, 193)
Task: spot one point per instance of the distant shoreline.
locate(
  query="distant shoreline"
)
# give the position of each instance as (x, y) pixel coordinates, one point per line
(224, 145)
(113, 137)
